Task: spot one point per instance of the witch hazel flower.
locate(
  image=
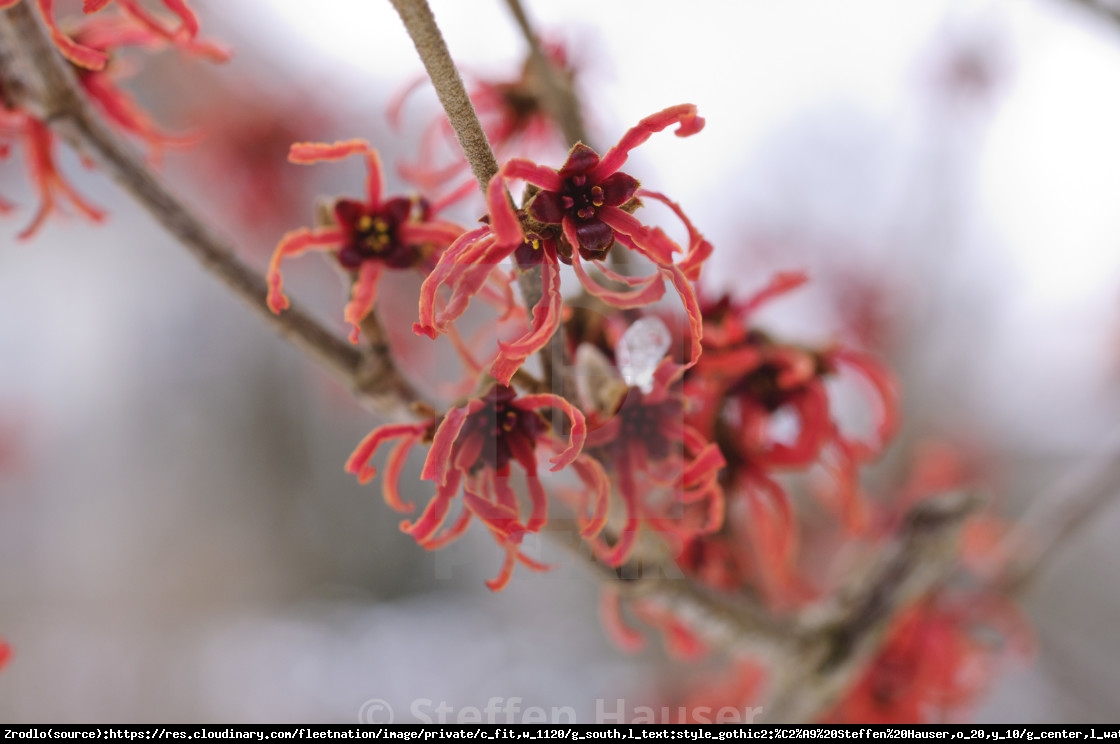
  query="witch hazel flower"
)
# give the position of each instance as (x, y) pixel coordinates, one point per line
(744, 383)
(665, 471)
(184, 36)
(472, 449)
(939, 657)
(367, 238)
(575, 214)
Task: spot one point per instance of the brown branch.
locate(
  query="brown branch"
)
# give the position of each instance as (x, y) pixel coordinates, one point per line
(834, 649)
(426, 37)
(41, 82)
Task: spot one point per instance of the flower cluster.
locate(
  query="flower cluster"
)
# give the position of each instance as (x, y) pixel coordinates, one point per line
(93, 49)
(744, 382)
(692, 436)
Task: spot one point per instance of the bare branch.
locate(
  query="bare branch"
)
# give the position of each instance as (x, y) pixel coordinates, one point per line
(35, 75)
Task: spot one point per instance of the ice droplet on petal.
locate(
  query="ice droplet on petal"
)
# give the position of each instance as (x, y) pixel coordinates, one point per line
(640, 350)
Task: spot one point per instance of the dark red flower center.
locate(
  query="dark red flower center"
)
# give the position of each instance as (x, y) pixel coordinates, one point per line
(500, 430)
(650, 423)
(580, 200)
(374, 234)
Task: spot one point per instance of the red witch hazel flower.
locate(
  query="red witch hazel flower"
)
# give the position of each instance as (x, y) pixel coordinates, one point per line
(185, 36)
(743, 382)
(936, 662)
(665, 471)
(474, 446)
(574, 214)
(367, 238)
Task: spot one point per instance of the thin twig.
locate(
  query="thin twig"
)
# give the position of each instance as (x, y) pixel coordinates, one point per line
(32, 69)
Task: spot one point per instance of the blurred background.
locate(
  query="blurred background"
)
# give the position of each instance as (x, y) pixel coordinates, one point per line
(178, 540)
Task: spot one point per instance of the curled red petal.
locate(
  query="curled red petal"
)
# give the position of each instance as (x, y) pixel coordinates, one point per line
(499, 582)
(363, 295)
(591, 472)
(684, 114)
(652, 243)
(437, 464)
(471, 269)
(500, 520)
(306, 153)
(436, 512)
(699, 249)
(295, 243)
(448, 535)
(546, 320)
(577, 434)
(521, 169)
(780, 283)
(82, 56)
(650, 290)
(624, 476)
(884, 385)
(445, 271)
(358, 463)
(540, 505)
(394, 466)
(503, 219)
(39, 143)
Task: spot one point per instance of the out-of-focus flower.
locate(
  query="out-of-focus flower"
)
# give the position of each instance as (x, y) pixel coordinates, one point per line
(680, 640)
(242, 161)
(666, 472)
(39, 151)
(184, 36)
(513, 115)
(473, 447)
(939, 657)
(746, 379)
(108, 34)
(367, 238)
(576, 213)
